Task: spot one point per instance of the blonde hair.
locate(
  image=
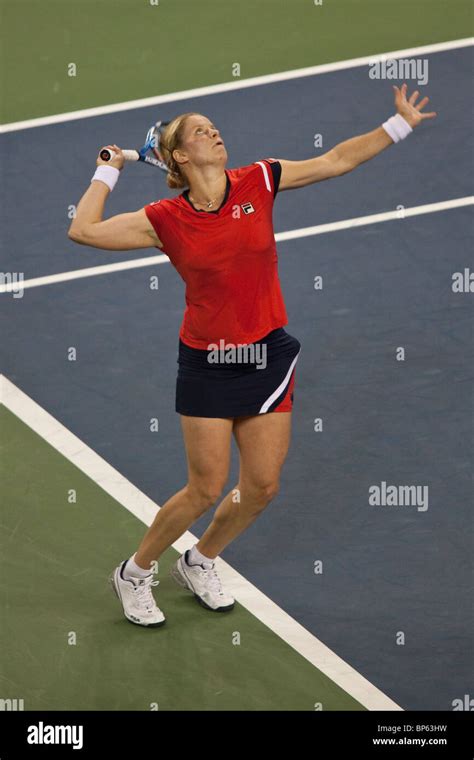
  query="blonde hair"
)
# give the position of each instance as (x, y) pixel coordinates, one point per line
(170, 140)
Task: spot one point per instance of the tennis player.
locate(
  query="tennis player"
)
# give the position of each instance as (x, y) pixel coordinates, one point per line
(236, 362)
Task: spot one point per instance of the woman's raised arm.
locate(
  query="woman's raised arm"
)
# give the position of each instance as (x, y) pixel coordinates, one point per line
(123, 232)
(346, 156)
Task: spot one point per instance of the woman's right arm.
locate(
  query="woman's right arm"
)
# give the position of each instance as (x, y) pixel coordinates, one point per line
(119, 233)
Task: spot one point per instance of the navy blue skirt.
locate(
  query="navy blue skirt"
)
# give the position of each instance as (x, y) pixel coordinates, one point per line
(238, 380)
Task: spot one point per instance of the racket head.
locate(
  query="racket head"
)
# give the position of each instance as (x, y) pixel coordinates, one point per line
(152, 141)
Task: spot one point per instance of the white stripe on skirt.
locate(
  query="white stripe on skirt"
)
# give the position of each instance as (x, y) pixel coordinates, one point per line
(280, 388)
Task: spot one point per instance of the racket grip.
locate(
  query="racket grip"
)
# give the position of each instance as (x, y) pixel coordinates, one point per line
(129, 155)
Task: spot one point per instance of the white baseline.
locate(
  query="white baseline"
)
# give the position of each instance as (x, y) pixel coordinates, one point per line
(308, 71)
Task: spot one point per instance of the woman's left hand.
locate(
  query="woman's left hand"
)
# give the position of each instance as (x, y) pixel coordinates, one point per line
(411, 111)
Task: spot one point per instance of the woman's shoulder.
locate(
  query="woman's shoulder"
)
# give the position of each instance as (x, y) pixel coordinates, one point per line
(254, 167)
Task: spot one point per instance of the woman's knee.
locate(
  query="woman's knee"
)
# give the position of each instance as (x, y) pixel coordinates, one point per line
(260, 493)
(204, 494)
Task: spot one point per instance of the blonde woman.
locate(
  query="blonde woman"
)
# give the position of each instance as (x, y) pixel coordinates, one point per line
(236, 362)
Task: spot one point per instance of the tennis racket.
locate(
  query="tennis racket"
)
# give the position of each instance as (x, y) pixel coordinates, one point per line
(151, 145)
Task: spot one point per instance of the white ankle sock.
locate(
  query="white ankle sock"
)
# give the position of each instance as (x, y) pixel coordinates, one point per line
(132, 570)
(196, 558)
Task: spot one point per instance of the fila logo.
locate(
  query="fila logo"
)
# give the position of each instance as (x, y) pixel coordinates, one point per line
(247, 208)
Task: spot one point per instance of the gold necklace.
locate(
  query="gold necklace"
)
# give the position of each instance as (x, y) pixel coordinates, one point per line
(208, 204)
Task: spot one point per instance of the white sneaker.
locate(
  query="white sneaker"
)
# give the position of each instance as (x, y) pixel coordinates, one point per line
(138, 604)
(204, 583)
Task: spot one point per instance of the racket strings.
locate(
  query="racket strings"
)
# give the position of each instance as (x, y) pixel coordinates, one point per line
(157, 145)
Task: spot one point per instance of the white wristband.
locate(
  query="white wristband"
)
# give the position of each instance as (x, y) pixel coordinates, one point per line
(107, 174)
(397, 127)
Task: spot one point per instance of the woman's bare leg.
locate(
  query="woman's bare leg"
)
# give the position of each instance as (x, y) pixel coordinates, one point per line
(208, 447)
(263, 443)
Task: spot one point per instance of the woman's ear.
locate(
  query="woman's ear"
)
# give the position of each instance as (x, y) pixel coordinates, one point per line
(179, 156)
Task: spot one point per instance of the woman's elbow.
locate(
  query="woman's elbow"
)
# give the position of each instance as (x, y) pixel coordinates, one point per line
(76, 235)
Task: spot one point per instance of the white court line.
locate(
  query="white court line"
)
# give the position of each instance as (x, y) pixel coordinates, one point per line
(76, 274)
(198, 92)
(140, 505)
(318, 229)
